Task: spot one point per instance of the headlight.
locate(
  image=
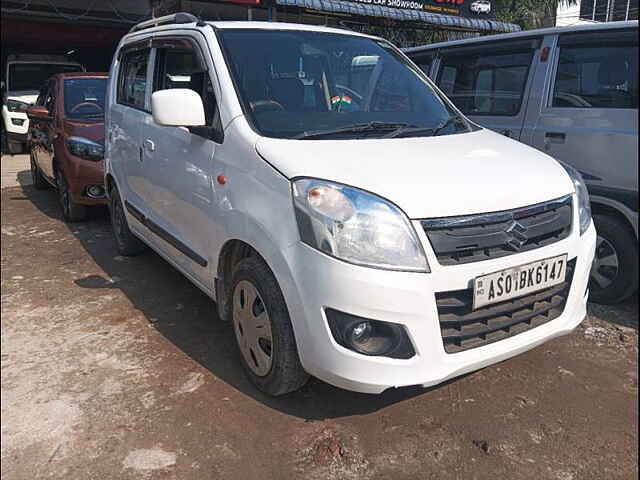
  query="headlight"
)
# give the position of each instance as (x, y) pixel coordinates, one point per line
(356, 226)
(16, 106)
(584, 203)
(85, 148)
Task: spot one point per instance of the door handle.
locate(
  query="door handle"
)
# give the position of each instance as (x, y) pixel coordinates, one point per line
(149, 145)
(555, 137)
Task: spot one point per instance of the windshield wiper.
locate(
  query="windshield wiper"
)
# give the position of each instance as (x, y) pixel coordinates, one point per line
(433, 131)
(355, 128)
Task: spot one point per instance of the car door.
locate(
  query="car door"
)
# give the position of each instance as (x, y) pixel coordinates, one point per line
(589, 113)
(37, 130)
(47, 130)
(489, 81)
(128, 113)
(178, 162)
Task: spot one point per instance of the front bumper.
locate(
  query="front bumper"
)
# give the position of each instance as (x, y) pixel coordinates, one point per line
(320, 281)
(15, 132)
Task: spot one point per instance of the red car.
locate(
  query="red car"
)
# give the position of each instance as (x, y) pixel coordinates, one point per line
(66, 140)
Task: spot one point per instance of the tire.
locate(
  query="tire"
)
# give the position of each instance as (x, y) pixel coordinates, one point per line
(14, 148)
(72, 212)
(39, 183)
(3, 139)
(614, 274)
(263, 313)
(127, 243)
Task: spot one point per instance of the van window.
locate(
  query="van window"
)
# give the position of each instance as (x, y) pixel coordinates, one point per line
(292, 83)
(484, 84)
(180, 67)
(29, 76)
(133, 78)
(597, 77)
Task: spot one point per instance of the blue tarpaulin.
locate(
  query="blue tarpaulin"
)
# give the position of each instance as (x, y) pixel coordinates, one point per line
(370, 10)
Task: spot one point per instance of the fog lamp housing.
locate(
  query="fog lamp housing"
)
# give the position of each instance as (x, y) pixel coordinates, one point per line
(369, 337)
(95, 191)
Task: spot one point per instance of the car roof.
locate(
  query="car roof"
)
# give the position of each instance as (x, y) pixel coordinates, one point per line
(525, 34)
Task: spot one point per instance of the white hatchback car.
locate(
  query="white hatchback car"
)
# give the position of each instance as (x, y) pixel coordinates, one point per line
(347, 219)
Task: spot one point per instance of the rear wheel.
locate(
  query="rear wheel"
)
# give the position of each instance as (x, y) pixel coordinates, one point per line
(36, 175)
(614, 274)
(128, 244)
(263, 330)
(71, 211)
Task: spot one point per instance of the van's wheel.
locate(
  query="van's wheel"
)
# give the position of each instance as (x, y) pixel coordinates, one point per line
(71, 211)
(263, 330)
(4, 148)
(14, 148)
(128, 244)
(39, 182)
(614, 274)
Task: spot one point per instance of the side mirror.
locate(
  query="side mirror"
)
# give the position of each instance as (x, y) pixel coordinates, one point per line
(177, 107)
(38, 112)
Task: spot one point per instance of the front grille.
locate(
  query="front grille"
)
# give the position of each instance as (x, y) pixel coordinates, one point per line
(473, 238)
(463, 328)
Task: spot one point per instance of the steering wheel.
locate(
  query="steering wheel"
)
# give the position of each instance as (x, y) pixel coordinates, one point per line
(267, 106)
(351, 92)
(96, 106)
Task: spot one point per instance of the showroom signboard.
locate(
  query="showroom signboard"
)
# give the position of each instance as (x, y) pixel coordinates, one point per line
(465, 8)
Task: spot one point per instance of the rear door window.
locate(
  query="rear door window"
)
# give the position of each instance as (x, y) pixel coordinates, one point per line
(133, 78)
(486, 84)
(590, 76)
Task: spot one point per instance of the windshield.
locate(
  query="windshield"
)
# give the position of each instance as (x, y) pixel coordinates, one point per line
(84, 98)
(301, 84)
(31, 76)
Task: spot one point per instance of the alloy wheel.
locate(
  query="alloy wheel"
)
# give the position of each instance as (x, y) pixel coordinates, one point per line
(252, 327)
(606, 265)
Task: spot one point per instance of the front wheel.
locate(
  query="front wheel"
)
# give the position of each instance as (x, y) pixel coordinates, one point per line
(263, 330)
(14, 147)
(71, 211)
(614, 274)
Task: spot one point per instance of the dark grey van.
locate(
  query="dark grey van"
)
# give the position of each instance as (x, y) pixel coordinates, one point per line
(571, 92)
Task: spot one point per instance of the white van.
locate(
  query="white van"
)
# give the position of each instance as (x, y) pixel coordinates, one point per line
(571, 92)
(365, 233)
(24, 76)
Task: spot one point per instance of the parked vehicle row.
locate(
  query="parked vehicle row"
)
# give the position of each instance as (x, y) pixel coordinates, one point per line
(347, 218)
(571, 92)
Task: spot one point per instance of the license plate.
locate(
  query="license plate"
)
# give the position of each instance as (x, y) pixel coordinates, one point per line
(518, 281)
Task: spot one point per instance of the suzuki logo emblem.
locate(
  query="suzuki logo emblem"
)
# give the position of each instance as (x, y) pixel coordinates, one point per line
(517, 235)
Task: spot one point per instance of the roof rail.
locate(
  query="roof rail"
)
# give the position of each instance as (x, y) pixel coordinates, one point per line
(180, 17)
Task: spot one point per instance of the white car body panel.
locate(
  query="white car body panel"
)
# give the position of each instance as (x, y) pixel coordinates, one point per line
(409, 171)
(426, 177)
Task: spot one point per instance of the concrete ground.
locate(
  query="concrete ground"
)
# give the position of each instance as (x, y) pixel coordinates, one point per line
(117, 368)
(15, 170)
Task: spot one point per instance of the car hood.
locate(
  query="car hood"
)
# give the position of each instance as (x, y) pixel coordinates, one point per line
(90, 130)
(23, 96)
(429, 177)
